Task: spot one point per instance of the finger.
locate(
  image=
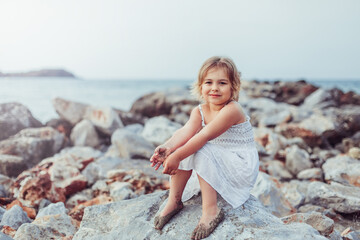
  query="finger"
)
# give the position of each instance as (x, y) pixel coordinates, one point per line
(157, 166)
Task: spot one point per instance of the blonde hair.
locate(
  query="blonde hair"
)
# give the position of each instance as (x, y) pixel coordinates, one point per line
(222, 63)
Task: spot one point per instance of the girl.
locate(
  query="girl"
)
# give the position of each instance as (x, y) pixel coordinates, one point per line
(216, 144)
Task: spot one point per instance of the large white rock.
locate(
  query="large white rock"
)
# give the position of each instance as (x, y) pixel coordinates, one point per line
(11, 165)
(342, 169)
(69, 110)
(121, 191)
(15, 117)
(297, 159)
(159, 129)
(52, 209)
(105, 119)
(317, 220)
(131, 145)
(318, 124)
(98, 169)
(277, 168)
(84, 134)
(59, 226)
(268, 139)
(14, 217)
(33, 144)
(267, 190)
(133, 219)
(341, 198)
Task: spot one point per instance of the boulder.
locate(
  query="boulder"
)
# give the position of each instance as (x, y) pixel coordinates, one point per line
(61, 125)
(159, 129)
(321, 98)
(52, 209)
(269, 140)
(121, 220)
(342, 169)
(281, 91)
(343, 199)
(15, 117)
(162, 103)
(14, 217)
(71, 111)
(131, 145)
(5, 184)
(79, 197)
(297, 160)
(98, 169)
(4, 236)
(320, 222)
(2, 211)
(120, 191)
(354, 153)
(268, 191)
(84, 134)
(59, 226)
(33, 144)
(311, 173)
(151, 105)
(78, 211)
(293, 193)
(277, 169)
(105, 119)
(54, 178)
(11, 166)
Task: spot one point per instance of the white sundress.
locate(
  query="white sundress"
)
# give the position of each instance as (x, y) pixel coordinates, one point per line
(229, 163)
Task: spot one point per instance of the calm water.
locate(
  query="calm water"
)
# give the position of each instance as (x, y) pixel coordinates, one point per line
(37, 93)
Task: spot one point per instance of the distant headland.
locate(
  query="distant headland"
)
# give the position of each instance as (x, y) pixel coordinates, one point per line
(41, 73)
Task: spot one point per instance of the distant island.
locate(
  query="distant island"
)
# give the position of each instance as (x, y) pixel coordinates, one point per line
(40, 73)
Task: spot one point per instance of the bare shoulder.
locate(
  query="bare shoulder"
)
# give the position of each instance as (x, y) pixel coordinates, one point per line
(195, 117)
(236, 111)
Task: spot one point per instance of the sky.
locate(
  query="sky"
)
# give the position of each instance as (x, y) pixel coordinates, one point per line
(170, 39)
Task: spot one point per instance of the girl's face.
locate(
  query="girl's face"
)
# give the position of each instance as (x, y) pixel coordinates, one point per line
(216, 87)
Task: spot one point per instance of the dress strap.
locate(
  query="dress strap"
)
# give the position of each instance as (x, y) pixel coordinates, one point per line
(202, 116)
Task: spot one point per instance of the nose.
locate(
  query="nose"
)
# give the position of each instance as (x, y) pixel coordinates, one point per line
(214, 87)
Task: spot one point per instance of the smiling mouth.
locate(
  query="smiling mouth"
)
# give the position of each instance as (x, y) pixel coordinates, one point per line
(214, 95)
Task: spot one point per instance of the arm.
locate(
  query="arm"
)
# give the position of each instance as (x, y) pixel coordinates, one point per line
(179, 138)
(228, 116)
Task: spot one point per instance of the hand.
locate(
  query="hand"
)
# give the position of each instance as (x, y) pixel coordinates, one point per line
(171, 165)
(159, 156)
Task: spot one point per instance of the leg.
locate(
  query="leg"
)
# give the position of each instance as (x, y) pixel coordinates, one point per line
(174, 204)
(211, 214)
(177, 185)
(209, 202)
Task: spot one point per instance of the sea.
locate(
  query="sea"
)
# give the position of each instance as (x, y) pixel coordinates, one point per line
(37, 93)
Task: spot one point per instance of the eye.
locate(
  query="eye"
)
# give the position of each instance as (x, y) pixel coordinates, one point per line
(223, 83)
(207, 82)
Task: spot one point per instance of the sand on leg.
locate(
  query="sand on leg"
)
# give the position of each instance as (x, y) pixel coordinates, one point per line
(174, 204)
(211, 214)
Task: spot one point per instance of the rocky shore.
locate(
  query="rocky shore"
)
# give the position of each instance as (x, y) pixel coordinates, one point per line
(86, 175)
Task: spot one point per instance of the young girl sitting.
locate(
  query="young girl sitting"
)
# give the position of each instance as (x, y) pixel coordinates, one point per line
(216, 144)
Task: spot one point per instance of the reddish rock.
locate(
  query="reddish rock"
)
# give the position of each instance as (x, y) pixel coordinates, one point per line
(8, 231)
(294, 130)
(29, 211)
(78, 211)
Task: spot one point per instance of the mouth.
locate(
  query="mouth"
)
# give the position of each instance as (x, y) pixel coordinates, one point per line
(214, 95)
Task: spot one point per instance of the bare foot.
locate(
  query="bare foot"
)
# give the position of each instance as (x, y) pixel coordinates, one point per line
(169, 211)
(207, 225)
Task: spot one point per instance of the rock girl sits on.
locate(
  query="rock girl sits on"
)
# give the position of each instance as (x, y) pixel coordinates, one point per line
(214, 149)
